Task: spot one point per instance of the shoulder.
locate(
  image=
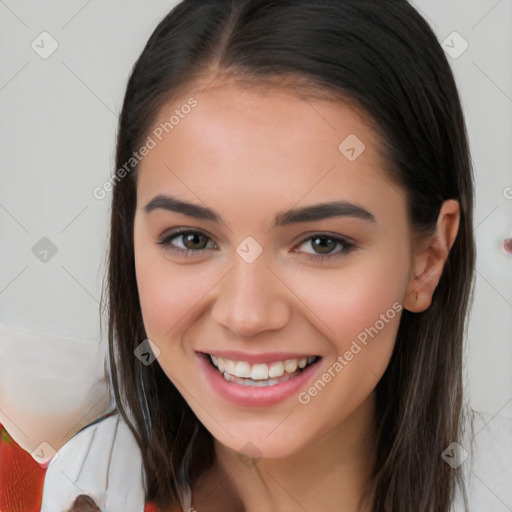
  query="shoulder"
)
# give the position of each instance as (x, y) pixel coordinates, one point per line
(485, 454)
(103, 461)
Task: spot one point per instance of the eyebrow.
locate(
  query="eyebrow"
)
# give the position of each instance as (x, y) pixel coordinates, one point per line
(305, 214)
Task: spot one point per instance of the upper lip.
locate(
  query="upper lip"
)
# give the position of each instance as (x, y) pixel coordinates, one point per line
(265, 357)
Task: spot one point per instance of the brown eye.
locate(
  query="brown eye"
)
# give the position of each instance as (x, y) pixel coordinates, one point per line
(323, 244)
(194, 241)
(186, 242)
(325, 247)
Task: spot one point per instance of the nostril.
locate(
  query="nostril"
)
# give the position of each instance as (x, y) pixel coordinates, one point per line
(507, 245)
(84, 503)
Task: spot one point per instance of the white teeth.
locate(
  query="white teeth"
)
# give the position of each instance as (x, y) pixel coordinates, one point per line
(243, 370)
(250, 382)
(229, 366)
(290, 365)
(259, 371)
(276, 369)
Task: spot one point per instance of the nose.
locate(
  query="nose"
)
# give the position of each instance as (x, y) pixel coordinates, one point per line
(251, 299)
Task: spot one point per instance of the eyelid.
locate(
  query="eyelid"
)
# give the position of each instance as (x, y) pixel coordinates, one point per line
(165, 238)
(346, 242)
(348, 245)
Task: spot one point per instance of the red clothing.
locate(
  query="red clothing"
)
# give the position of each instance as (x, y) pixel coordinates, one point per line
(21, 477)
(151, 507)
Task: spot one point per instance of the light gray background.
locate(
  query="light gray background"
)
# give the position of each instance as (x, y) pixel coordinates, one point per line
(58, 118)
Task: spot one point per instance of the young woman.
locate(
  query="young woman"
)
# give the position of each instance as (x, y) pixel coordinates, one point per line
(291, 259)
(296, 209)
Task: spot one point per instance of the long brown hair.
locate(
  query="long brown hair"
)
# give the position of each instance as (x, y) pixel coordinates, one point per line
(382, 55)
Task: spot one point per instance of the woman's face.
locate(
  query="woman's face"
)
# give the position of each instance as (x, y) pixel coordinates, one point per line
(247, 176)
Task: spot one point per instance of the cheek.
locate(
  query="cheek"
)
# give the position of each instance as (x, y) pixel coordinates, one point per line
(165, 293)
(361, 307)
(172, 296)
(164, 299)
(355, 297)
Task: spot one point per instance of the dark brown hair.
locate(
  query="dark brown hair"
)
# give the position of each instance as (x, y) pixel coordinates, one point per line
(382, 55)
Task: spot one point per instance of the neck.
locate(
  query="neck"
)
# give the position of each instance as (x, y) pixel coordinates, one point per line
(331, 474)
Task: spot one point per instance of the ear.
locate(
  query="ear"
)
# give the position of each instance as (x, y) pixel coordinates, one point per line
(429, 257)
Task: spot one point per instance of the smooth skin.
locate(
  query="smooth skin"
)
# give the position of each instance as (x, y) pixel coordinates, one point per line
(249, 154)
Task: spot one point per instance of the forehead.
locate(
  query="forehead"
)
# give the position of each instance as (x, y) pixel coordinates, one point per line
(237, 144)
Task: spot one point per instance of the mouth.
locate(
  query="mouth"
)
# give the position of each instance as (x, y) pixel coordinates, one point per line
(257, 380)
(260, 374)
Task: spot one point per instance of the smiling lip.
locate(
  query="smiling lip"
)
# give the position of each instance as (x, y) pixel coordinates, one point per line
(257, 358)
(254, 396)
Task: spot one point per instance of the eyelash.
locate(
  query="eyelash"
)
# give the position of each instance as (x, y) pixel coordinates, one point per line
(347, 245)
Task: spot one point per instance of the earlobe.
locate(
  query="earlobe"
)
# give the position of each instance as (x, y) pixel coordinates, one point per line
(430, 257)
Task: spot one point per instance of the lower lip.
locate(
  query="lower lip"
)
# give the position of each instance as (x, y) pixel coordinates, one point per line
(253, 396)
